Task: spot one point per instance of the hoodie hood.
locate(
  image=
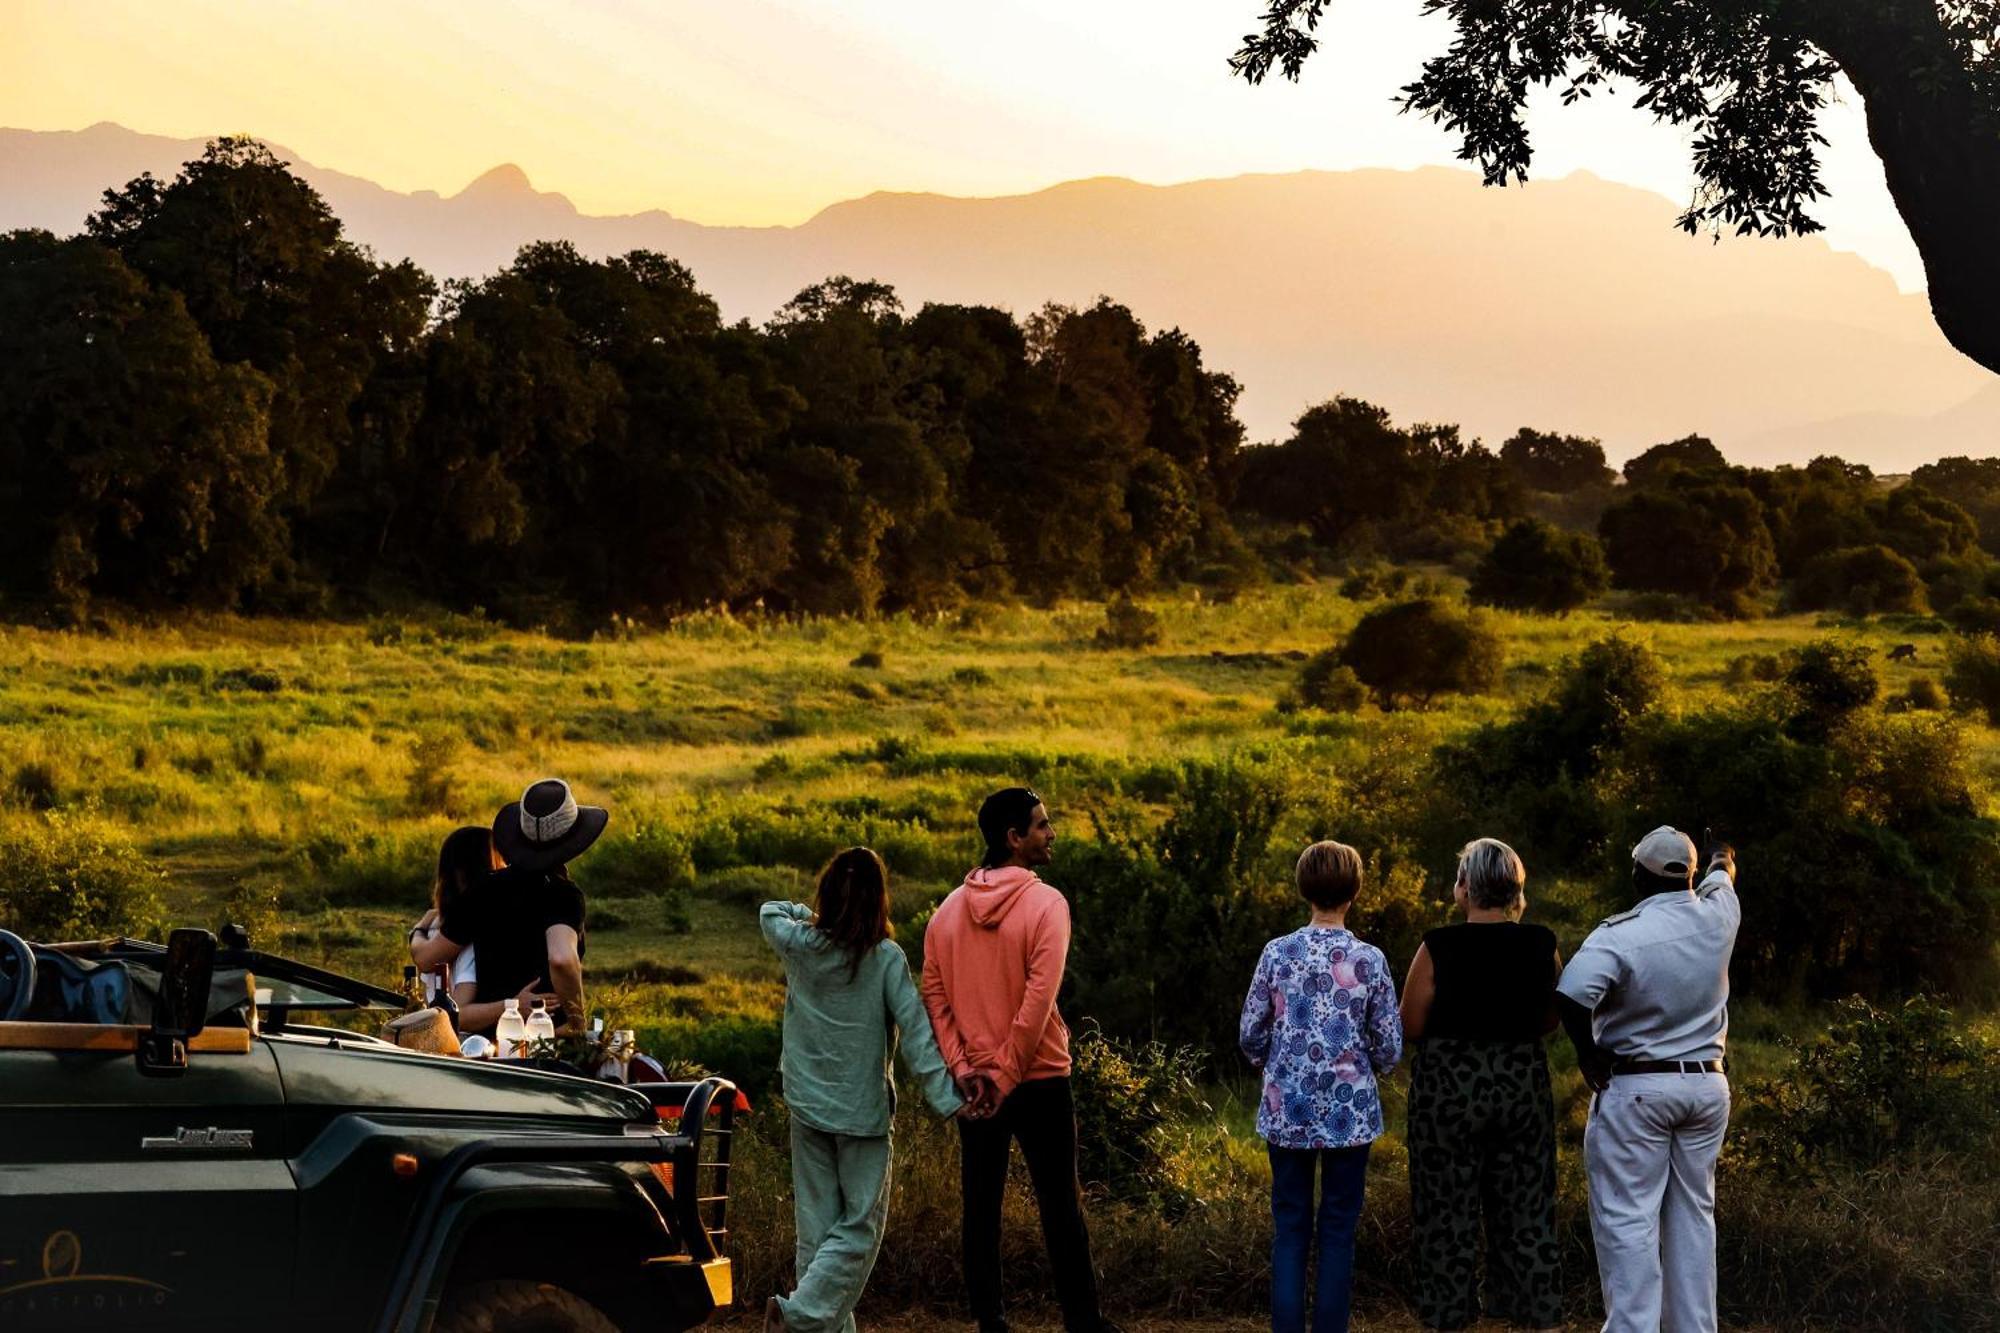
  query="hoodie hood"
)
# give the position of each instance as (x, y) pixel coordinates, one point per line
(991, 894)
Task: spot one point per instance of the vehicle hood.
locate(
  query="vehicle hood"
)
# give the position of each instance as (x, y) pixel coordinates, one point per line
(363, 1077)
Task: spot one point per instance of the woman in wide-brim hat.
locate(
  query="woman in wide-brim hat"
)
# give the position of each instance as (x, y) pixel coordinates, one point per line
(546, 828)
(527, 918)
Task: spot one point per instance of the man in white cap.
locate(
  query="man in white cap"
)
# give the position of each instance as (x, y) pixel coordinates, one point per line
(1646, 1002)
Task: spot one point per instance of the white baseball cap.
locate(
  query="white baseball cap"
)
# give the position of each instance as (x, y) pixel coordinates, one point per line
(1666, 851)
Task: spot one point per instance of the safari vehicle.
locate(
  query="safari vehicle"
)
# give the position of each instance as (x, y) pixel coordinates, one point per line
(185, 1145)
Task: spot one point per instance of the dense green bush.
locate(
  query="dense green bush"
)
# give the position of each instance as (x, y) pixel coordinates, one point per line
(370, 868)
(1535, 779)
(1881, 1083)
(1206, 889)
(1922, 695)
(1871, 864)
(1972, 674)
(741, 1048)
(1829, 680)
(64, 877)
(1414, 651)
(1536, 566)
(1702, 539)
(1129, 1098)
(1128, 625)
(754, 885)
(1860, 580)
(1326, 684)
(1977, 614)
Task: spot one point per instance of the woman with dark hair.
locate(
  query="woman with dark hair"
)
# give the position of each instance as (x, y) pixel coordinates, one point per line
(464, 861)
(848, 994)
(527, 917)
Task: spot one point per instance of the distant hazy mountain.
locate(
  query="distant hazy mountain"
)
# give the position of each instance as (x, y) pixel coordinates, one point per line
(1570, 304)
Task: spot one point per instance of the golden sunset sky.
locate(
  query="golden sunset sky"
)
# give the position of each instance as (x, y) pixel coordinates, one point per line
(765, 111)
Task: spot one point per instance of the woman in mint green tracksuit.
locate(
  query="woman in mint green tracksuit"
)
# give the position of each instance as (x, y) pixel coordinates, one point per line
(847, 993)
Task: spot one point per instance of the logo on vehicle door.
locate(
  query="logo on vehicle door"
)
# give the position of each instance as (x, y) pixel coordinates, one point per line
(184, 1139)
(64, 1292)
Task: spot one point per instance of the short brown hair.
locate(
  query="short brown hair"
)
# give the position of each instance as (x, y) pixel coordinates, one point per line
(1329, 874)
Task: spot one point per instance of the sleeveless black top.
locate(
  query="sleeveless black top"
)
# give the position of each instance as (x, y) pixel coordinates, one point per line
(1494, 980)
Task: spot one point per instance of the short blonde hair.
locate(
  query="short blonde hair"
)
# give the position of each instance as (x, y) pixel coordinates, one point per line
(1491, 872)
(1329, 874)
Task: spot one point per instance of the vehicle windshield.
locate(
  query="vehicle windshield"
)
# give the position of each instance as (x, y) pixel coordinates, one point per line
(279, 983)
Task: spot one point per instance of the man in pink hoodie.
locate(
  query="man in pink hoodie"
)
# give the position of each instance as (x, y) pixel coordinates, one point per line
(993, 961)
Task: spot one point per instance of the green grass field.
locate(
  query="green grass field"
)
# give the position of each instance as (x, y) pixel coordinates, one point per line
(299, 776)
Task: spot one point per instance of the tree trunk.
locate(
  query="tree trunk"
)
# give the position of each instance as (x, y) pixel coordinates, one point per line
(1940, 149)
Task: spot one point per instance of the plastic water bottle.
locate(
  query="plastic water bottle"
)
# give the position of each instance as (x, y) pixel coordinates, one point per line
(541, 1027)
(511, 1032)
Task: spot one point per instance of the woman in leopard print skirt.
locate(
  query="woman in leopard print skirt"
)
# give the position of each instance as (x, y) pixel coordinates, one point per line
(1478, 1001)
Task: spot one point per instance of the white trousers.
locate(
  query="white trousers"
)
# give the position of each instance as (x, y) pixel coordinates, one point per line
(1650, 1151)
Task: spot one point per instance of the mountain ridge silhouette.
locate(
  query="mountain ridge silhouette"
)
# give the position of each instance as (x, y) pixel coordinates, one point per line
(1569, 304)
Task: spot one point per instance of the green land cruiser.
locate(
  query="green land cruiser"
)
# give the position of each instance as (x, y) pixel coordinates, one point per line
(182, 1146)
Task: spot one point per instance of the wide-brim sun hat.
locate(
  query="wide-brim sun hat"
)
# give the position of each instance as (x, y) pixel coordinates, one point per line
(546, 827)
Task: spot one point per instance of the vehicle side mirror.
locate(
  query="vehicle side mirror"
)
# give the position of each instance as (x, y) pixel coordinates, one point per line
(181, 1011)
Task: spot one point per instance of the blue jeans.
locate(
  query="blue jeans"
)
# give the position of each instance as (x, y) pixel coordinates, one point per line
(1343, 1176)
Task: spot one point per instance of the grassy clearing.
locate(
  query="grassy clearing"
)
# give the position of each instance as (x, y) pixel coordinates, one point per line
(299, 777)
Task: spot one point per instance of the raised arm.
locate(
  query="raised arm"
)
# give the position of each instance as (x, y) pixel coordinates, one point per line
(919, 1045)
(1253, 1030)
(1419, 989)
(786, 925)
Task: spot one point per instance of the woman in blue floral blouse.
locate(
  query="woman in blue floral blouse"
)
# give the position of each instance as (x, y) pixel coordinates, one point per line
(1321, 1022)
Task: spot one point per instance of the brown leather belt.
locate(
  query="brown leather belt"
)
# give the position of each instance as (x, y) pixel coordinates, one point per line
(1666, 1067)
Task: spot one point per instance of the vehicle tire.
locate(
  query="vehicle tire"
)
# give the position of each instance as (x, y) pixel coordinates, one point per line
(518, 1307)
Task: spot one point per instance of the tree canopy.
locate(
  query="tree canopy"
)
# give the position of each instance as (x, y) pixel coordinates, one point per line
(1749, 79)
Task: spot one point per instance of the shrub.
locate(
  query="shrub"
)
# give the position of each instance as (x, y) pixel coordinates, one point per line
(1206, 889)
(258, 907)
(434, 786)
(257, 680)
(753, 885)
(1415, 651)
(1128, 625)
(650, 860)
(37, 785)
(1373, 582)
(1976, 615)
(1324, 683)
(1536, 566)
(1972, 673)
(370, 868)
(1127, 1094)
(1880, 1083)
(1860, 580)
(65, 878)
(1537, 776)
(741, 1048)
(1922, 695)
(1829, 680)
(1830, 821)
(1747, 667)
(1702, 539)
